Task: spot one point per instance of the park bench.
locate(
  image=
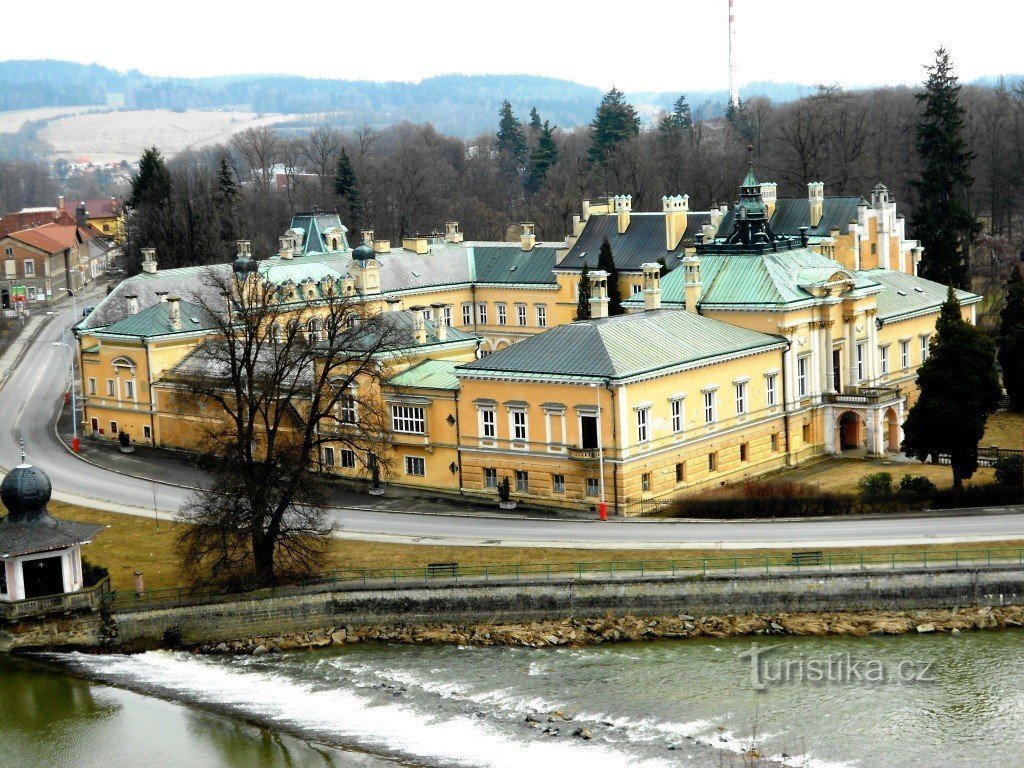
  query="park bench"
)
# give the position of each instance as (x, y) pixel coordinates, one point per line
(442, 569)
(807, 558)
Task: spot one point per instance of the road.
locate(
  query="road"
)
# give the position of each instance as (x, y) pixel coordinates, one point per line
(30, 400)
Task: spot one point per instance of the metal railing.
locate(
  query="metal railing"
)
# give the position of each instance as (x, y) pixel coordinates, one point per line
(794, 562)
(88, 599)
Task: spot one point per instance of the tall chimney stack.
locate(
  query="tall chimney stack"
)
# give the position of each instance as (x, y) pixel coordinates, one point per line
(598, 294)
(437, 314)
(149, 260)
(419, 324)
(174, 311)
(652, 285)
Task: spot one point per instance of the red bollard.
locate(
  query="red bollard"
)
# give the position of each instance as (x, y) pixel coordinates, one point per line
(602, 509)
(67, 397)
(74, 444)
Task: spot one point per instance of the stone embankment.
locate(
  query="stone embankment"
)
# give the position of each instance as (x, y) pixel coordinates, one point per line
(540, 634)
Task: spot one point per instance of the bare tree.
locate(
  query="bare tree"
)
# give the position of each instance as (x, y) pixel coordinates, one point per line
(260, 147)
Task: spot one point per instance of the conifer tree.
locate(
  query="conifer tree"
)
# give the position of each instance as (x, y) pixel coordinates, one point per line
(542, 158)
(346, 185)
(224, 196)
(677, 122)
(942, 221)
(510, 142)
(1011, 340)
(616, 121)
(583, 297)
(150, 223)
(152, 184)
(535, 124)
(959, 389)
(606, 261)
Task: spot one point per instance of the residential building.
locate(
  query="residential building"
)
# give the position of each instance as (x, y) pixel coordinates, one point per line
(42, 263)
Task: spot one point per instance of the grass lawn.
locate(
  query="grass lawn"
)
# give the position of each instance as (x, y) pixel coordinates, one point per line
(135, 543)
(841, 475)
(1004, 429)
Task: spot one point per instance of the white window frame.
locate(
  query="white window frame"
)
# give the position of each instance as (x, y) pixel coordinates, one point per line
(710, 406)
(771, 389)
(481, 312)
(520, 314)
(92, 385)
(883, 359)
(741, 397)
(518, 425)
(861, 355)
(328, 456)
(635, 289)
(643, 424)
(558, 483)
(522, 481)
(467, 314)
(542, 315)
(925, 339)
(501, 313)
(147, 432)
(413, 463)
(488, 423)
(347, 459)
(490, 477)
(592, 487)
(678, 412)
(408, 419)
(802, 364)
(129, 389)
(29, 267)
(446, 314)
(111, 388)
(904, 354)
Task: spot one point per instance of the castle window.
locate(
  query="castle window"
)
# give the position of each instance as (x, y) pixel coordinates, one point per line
(676, 407)
(408, 419)
(500, 308)
(771, 388)
(741, 398)
(520, 314)
(490, 477)
(542, 316)
(414, 465)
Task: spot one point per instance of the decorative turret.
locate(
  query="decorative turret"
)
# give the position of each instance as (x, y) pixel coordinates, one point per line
(751, 226)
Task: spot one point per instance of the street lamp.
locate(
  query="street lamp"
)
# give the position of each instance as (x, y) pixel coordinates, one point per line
(74, 407)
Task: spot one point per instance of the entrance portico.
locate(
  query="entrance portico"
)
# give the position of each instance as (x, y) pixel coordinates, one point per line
(864, 419)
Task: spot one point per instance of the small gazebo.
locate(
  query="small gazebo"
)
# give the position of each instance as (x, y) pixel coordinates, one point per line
(39, 554)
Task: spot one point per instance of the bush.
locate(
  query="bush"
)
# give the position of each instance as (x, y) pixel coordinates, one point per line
(764, 500)
(93, 574)
(1010, 471)
(504, 490)
(876, 487)
(987, 495)
(916, 487)
(124, 438)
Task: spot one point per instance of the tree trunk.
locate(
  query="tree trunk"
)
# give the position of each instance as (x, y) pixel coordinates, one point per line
(263, 559)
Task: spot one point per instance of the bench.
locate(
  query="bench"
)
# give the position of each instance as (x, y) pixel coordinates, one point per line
(442, 569)
(807, 558)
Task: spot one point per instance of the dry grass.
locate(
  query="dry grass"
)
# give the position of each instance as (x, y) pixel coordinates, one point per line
(134, 543)
(1005, 429)
(842, 476)
(12, 121)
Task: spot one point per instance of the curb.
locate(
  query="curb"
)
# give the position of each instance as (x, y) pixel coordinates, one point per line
(24, 350)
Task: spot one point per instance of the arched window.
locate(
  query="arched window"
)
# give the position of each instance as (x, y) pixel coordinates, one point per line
(313, 330)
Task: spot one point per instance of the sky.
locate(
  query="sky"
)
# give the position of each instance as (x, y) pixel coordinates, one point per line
(645, 45)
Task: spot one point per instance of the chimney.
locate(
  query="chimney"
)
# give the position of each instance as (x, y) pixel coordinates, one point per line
(149, 260)
(528, 239)
(367, 235)
(623, 206)
(585, 208)
(675, 208)
(133, 303)
(80, 215)
(691, 282)
(394, 305)
(437, 314)
(286, 251)
(60, 203)
(652, 285)
(803, 236)
(416, 244)
(419, 324)
(770, 195)
(161, 295)
(382, 246)
(598, 294)
(816, 201)
(243, 249)
(451, 232)
(174, 312)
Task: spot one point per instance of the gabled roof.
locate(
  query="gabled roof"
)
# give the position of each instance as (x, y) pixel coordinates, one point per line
(52, 237)
(506, 263)
(313, 225)
(430, 374)
(101, 207)
(791, 213)
(155, 321)
(907, 295)
(622, 347)
(642, 242)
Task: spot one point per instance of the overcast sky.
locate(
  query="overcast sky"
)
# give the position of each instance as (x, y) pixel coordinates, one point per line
(635, 45)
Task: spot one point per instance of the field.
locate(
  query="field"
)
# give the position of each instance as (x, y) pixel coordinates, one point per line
(11, 122)
(111, 137)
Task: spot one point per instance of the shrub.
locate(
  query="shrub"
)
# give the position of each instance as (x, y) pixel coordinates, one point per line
(875, 487)
(987, 495)
(93, 574)
(124, 438)
(764, 500)
(504, 490)
(1010, 471)
(916, 487)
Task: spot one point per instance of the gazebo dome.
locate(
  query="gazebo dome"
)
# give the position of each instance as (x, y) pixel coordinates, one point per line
(363, 253)
(25, 492)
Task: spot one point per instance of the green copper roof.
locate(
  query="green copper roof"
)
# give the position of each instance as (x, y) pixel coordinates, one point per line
(622, 347)
(156, 321)
(297, 271)
(750, 180)
(511, 264)
(906, 295)
(430, 374)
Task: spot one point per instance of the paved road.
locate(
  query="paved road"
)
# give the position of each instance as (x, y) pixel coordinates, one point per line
(30, 400)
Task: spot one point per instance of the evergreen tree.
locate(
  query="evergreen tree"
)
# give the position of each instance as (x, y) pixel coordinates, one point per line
(677, 122)
(664, 266)
(1011, 340)
(616, 121)
(542, 158)
(510, 142)
(535, 124)
(942, 221)
(606, 261)
(738, 116)
(224, 197)
(150, 221)
(152, 184)
(583, 298)
(346, 185)
(959, 389)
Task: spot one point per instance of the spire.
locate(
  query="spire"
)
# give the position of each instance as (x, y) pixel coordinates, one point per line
(750, 180)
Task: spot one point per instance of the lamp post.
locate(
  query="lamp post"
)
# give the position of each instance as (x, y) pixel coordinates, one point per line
(74, 406)
(603, 505)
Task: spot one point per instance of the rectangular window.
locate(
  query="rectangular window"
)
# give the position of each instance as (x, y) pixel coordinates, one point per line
(31, 293)
(593, 487)
(883, 359)
(775, 443)
(519, 425)
(680, 472)
(713, 462)
(710, 407)
(744, 451)
(677, 415)
(542, 316)
(129, 389)
(416, 466)
(328, 456)
(428, 315)
(30, 268)
(643, 418)
(347, 409)
(861, 349)
(806, 433)
(924, 346)
(771, 383)
(645, 481)
(501, 310)
(522, 480)
(904, 354)
(487, 423)
(741, 398)
(558, 483)
(520, 314)
(113, 428)
(348, 459)
(92, 386)
(490, 477)
(408, 418)
(111, 391)
(802, 364)
(446, 313)
(467, 314)
(147, 432)
(635, 289)
(481, 313)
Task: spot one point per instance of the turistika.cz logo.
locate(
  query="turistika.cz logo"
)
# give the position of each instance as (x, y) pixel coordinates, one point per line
(769, 668)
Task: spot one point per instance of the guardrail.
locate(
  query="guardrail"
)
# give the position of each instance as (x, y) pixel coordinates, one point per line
(513, 572)
(89, 599)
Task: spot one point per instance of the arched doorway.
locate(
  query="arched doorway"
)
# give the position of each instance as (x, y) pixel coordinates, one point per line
(892, 424)
(850, 431)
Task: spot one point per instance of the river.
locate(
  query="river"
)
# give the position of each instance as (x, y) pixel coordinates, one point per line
(917, 700)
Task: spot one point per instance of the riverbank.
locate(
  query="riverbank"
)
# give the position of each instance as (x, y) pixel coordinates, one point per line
(629, 628)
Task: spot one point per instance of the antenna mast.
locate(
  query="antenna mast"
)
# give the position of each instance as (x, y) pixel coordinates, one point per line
(734, 89)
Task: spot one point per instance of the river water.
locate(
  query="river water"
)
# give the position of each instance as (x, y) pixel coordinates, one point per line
(917, 701)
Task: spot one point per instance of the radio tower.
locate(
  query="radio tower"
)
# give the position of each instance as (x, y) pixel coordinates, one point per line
(734, 88)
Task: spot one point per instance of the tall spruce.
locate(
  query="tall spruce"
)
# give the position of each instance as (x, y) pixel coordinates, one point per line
(942, 220)
(510, 141)
(615, 122)
(224, 199)
(606, 261)
(346, 185)
(542, 158)
(675, 124)
(959, 389)
(1011, 340)
(535, 124)
(152, 184)
(583, 295)
(150, 222)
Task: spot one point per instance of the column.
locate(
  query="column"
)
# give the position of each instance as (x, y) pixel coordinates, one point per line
(872, 361)
(789, 368)
(829, 372)
(814, 381)
(851, 346)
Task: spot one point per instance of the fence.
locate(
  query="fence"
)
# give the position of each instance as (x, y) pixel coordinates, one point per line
(795, 562)
(987, 456)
